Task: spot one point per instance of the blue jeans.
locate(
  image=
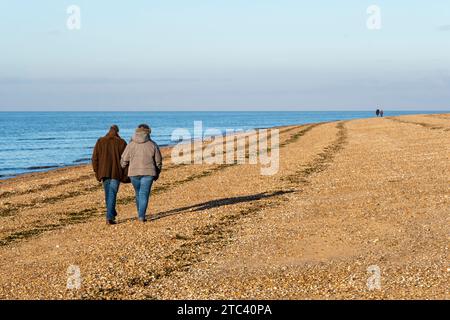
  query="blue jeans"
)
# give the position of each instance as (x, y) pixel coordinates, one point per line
(111, 187)
(142, 186)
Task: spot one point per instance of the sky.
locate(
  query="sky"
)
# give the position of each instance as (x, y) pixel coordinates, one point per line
(224, 55)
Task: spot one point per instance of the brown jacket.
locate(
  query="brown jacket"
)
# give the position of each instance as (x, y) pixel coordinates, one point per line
(106, 157)
(143, 156)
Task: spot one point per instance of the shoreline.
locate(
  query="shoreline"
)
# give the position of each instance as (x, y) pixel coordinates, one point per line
(164, 148)
(77, 162)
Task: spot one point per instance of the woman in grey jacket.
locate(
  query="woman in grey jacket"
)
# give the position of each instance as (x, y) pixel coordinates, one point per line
(144, 161)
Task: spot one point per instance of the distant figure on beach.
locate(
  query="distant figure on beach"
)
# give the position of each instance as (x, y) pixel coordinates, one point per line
(107, 168)
(377, 112)
(381, 113)
(144, 160)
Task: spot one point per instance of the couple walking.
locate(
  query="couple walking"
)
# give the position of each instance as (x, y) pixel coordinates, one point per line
(139, 162)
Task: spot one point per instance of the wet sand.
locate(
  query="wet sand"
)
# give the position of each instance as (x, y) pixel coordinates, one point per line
(349, 195)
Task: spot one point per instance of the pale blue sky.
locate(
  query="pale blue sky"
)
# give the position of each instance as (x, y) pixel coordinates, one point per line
(224, 54)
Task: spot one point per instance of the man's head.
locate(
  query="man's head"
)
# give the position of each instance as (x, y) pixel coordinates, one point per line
(115, 128)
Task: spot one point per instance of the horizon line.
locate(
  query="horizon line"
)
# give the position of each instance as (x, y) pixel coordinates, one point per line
(221, 110)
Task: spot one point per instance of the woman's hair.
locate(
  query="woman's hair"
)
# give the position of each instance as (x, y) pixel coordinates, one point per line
(145, 127)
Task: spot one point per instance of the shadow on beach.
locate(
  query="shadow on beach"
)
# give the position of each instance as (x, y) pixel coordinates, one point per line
(212, 204)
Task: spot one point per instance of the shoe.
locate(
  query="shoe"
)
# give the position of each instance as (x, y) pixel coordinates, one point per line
(111, 222)
(142, 220)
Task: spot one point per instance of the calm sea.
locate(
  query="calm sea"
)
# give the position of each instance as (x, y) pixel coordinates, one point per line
(38, 141)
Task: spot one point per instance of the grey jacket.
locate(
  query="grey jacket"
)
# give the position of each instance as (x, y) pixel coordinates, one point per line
(142, 155)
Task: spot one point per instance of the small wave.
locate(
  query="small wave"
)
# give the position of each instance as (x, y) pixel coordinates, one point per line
(36, 139)
(82, 160)
(25, 149)
(41, 167)
(43, 148)
(11, 169)
(6, 176)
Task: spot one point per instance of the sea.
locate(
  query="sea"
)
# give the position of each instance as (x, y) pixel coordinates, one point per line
(40, 141)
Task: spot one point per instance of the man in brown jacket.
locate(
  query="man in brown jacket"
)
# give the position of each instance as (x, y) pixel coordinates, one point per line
(106, 165)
